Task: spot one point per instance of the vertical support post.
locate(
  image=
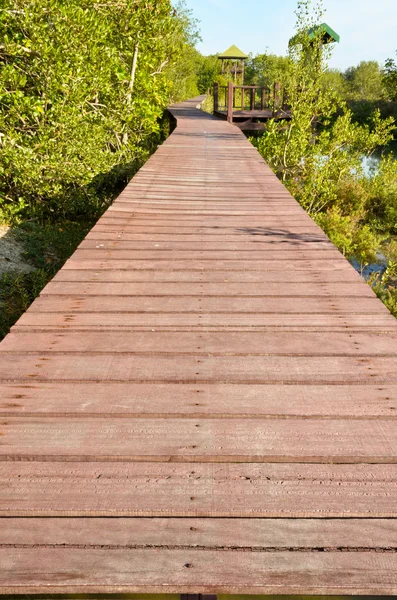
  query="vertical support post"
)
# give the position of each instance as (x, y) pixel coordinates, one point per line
(252, 98)
(277, 88)
(216, 96)
(242, 99)
(262, 98)
(285, 101)
(230, 88)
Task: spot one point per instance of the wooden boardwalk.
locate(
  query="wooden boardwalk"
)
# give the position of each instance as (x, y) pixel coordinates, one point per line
(208, 368)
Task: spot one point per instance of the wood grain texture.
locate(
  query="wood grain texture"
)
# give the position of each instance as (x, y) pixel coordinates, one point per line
(29, 570)
(150, 489)
(226, 343)
(180, 571)
(199, 440)
(176, 368)
(211, 533)
(204, 399)
(214, 400)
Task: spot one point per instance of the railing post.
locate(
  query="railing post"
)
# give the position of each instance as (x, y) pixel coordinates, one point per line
(230, 102)
(242, 99)
(216, 96)
(252, 98)
(276, 105)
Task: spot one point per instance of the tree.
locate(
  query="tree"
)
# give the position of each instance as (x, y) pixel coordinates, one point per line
(208, 72)
(333, 80)
(266, 69)
(83, 85)
(389, 79)
(319, 146)
(364, 82)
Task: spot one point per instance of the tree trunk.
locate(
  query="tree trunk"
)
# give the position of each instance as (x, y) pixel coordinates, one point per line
(131, 84)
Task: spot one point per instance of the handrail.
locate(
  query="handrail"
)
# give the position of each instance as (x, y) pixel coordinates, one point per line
(265, 92)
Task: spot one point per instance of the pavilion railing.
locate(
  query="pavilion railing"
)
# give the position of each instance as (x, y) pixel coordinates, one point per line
(230, 98)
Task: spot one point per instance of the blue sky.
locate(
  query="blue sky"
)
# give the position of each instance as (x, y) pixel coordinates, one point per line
(367, 27)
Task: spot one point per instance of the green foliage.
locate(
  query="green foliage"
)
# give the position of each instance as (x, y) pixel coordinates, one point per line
(334, 80)
(362, 110)
(389, 79)
(364, 82)
(83, 87)
(354, 240)
(76, 116)
(208, 72)
(385, 284)
(365, 88)
(318, 153)
(382, 190)
(266, 69)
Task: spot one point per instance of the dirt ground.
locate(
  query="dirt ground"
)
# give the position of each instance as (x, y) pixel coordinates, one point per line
(11, 253)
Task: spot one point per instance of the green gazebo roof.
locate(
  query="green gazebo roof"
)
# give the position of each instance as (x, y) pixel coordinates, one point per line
(233, 53)
(329, 34)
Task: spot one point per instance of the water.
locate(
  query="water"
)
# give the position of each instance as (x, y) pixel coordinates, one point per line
(370, 163)
(378, 267)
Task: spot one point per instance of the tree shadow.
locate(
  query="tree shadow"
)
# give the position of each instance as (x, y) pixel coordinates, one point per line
(283, 235)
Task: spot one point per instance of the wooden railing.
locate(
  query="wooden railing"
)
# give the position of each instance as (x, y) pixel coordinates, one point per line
(260, 98)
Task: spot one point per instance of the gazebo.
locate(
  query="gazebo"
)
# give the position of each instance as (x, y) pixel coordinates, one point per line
(328, 35)
(233, 62)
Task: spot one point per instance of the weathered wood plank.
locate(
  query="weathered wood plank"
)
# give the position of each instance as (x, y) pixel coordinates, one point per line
(194, 490)
(215, 400)
(209, 265)
(200, 440)
(211, 533)
(206, 305)
(57, 570)
(205, 343)
(322, 321)
(205, 255)
(164, 367)
(356, 289)
(125, 276)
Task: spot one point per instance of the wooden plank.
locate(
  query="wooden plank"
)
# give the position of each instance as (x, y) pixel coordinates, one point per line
(331, 535)
(206, 305)
(52, 570)
(265, 289)
(308, 229)
(199, 440)
(205, 255)
(204, 400)
(214, 343)
(142, 276)
(191, 241)
(209, 265)
(195, 245)
(185, 368)
(321, 321)
(197, 490)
